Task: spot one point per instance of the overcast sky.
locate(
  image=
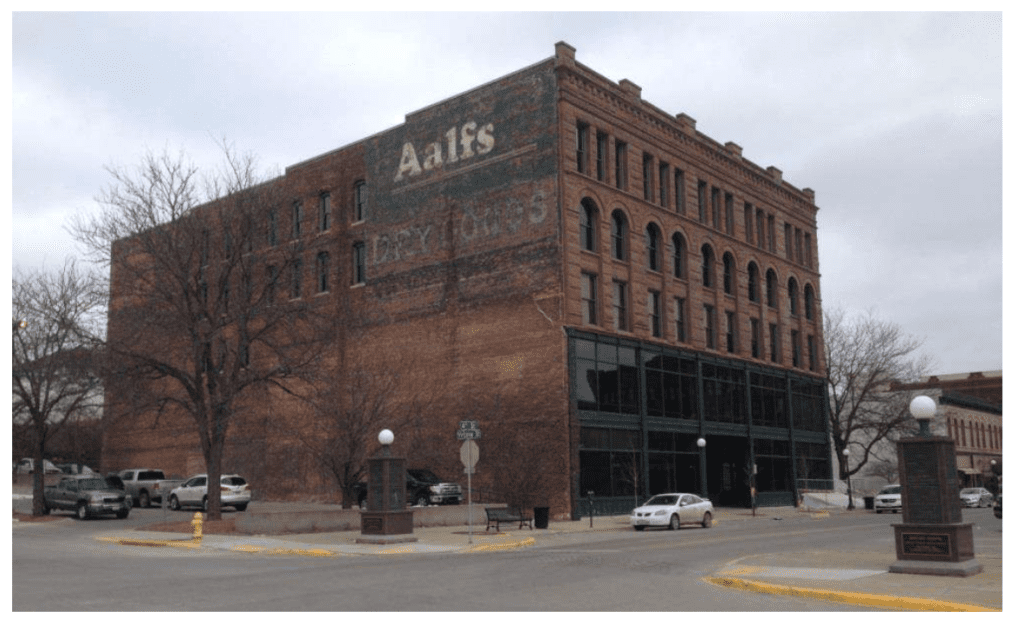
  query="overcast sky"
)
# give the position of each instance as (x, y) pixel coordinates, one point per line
(894, 119)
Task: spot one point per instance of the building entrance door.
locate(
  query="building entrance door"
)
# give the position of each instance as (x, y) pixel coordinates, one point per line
(727, 477)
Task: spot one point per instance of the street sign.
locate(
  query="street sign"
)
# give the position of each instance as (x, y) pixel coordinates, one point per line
(467, 425)
(468, 434)
(470, 453)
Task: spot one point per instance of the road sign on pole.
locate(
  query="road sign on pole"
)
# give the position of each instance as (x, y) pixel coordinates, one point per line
(468, 434)
(465, 425)
(470, 455)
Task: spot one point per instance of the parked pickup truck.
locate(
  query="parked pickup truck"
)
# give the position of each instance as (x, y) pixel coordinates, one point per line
(86, 496)
(422, 488)
(147, 486)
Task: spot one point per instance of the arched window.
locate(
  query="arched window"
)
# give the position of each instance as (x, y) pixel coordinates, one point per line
(728, 273)
(809, 302)
(588, 223)
(772, 287)
(793, 291)
(678, 255)
(753, 283)
(620, 235)
(653, 247)
(707, 266)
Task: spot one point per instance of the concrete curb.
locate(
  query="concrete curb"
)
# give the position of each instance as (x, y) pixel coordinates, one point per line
(859, 599)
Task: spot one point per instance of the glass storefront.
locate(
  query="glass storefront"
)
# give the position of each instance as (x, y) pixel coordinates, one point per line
(642, 408)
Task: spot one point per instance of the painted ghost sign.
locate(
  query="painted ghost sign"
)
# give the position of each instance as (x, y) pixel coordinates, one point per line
(460, 143)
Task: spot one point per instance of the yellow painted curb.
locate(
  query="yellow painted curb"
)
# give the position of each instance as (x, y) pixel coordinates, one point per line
(860, 599)
(503, 546)
(144, 542)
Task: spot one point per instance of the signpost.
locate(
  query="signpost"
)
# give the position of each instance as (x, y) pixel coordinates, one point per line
(470, 455)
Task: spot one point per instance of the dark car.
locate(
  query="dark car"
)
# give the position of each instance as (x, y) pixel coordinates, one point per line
(997, 507)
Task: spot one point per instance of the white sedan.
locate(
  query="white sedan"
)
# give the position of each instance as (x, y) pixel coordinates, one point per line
(234, 492)
(672, 510)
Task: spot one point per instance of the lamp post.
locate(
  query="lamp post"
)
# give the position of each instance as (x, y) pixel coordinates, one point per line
(849, 479)
(386, 518)
(932, 539)
(701, 443)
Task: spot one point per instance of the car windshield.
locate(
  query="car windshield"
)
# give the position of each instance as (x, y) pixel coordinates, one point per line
(663, 499)
(424, 476)
(890, 490)
(94, 484)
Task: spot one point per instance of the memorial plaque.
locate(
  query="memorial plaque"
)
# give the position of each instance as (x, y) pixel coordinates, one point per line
(926, 544)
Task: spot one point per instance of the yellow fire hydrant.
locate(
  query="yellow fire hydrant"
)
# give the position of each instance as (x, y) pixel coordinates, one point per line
(197, 528)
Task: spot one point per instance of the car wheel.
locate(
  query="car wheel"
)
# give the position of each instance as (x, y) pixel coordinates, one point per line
(206, 504)
(175, 504)
(673, 523)
(422, 501)
(638, 528)
(82, 511)
(708, 520)
(241, 507)
(144, 501)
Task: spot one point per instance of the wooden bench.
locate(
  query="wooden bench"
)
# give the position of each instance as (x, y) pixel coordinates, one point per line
(506, 515)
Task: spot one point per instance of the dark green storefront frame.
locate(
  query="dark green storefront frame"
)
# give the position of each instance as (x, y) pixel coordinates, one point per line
(701, 427)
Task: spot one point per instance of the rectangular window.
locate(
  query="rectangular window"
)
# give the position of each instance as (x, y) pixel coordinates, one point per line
(271, 284)
(730, 228)
(227, 245)
(730, 331)
(296, 219)
(681, 319)
(362, 202)
(812, 354)
(323, 267)
(588, 295)
(716, 208)
(680, 185)
(358, 263)
(619, 302)
(748, 222)
(760, 228)
(771, 233)
(755, 338)
(581, 146)
(324, 220)
(709, 326)
(296, 289)
(621, 164)
(663, 184)
(654, 309)
(807, 249)
(602, 156)
(648, 177)
(702, 201)
(795, 338)
(272, 228)
(799, 247)
(773, 342)
(788, 236)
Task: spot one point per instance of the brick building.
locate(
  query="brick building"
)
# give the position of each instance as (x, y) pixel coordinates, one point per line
(551, 250)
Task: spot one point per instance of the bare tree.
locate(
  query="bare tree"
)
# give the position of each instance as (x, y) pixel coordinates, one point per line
(381, 392)
(57, 330)
(863, 357)
(196, 326)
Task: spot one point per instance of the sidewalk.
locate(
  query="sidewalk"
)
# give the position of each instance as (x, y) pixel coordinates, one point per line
(843, 573)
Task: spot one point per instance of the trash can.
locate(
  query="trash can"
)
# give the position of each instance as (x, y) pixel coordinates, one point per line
(869, 503)
(540, 517)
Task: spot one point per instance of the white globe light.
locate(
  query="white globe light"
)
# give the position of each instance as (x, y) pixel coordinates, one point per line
(922, 408)
(386, 437)
(701, 442)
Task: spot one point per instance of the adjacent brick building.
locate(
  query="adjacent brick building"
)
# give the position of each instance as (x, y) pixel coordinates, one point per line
(549, 246)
